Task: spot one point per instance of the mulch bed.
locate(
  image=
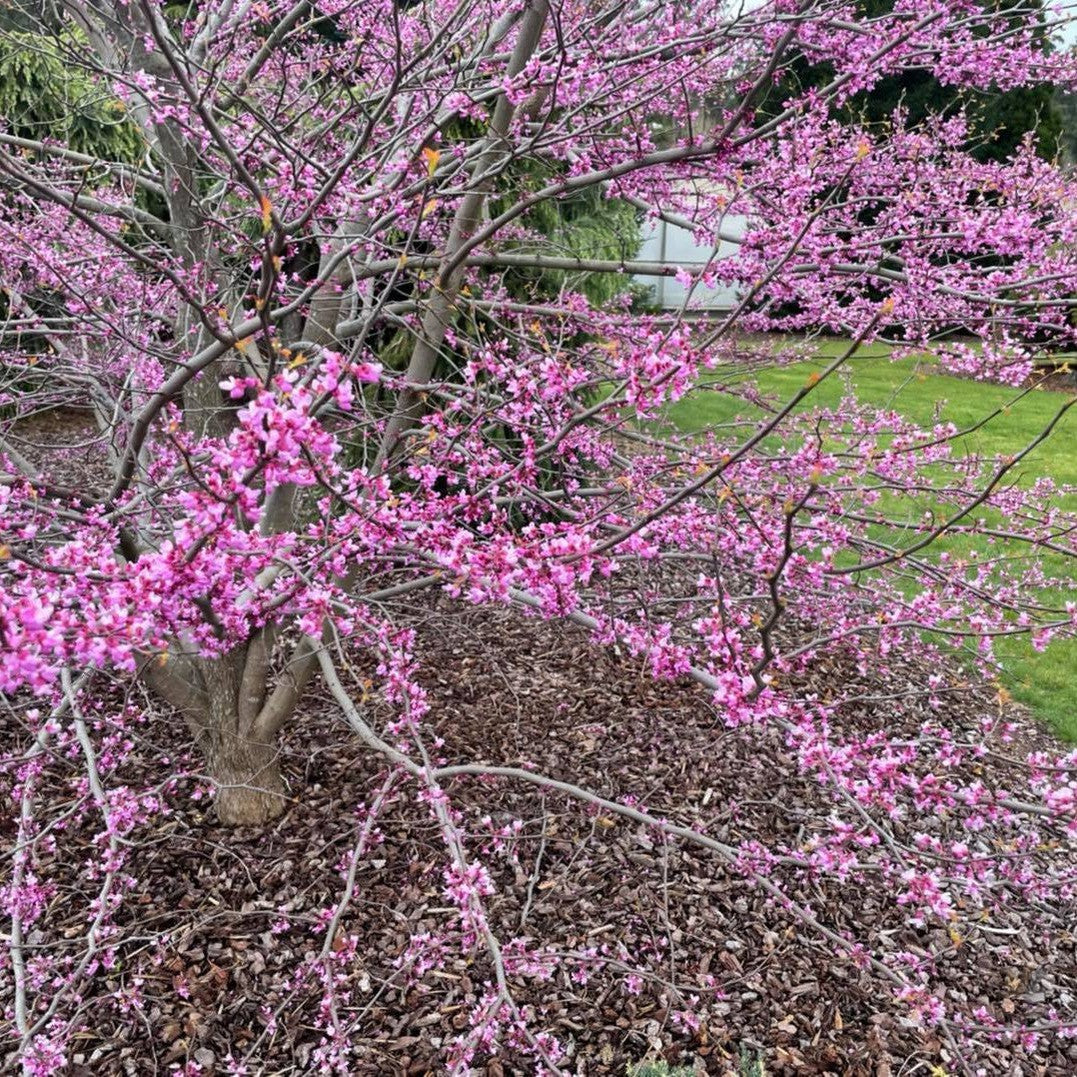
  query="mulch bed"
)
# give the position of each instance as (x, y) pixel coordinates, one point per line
(1055, 378)
(65, 442)
(222, 919)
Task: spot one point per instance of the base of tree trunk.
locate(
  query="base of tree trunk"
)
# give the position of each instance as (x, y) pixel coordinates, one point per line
(250, 789)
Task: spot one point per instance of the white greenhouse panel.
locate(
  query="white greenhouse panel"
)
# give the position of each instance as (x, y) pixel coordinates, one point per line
(671, 245)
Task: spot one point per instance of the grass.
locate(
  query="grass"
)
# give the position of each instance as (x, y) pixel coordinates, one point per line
(749, 1064)
(1046, 682)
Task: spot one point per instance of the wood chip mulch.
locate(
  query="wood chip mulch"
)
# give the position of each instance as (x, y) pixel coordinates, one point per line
(630, 925)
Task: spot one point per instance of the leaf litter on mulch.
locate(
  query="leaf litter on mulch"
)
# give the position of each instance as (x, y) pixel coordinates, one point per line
(223, 918)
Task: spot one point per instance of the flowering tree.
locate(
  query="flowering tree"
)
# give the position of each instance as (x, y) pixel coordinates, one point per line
(328, 375)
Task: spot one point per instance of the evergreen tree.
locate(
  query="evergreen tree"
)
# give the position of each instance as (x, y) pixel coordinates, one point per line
(998, 120)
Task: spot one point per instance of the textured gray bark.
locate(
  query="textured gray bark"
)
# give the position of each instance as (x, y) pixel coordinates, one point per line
(243, 762)
(439, 311)
(236, 704)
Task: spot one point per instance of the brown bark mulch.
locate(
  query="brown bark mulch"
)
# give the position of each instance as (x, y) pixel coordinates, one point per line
(221, 920)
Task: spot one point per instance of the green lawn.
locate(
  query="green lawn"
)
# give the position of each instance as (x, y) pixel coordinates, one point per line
(1046, 682)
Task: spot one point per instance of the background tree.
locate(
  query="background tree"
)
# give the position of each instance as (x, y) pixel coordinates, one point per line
(999, 118)
(1066, 103)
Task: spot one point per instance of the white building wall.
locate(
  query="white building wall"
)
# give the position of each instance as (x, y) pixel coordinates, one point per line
(672, 245)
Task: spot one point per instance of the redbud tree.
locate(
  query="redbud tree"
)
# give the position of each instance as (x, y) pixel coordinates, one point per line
(337, 360)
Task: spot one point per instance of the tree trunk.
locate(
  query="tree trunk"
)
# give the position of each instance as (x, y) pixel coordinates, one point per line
(243, 761)
(250, 788)
(235, 709)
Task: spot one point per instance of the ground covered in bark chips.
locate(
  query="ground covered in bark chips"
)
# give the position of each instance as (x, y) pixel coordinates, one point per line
(639, 947)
